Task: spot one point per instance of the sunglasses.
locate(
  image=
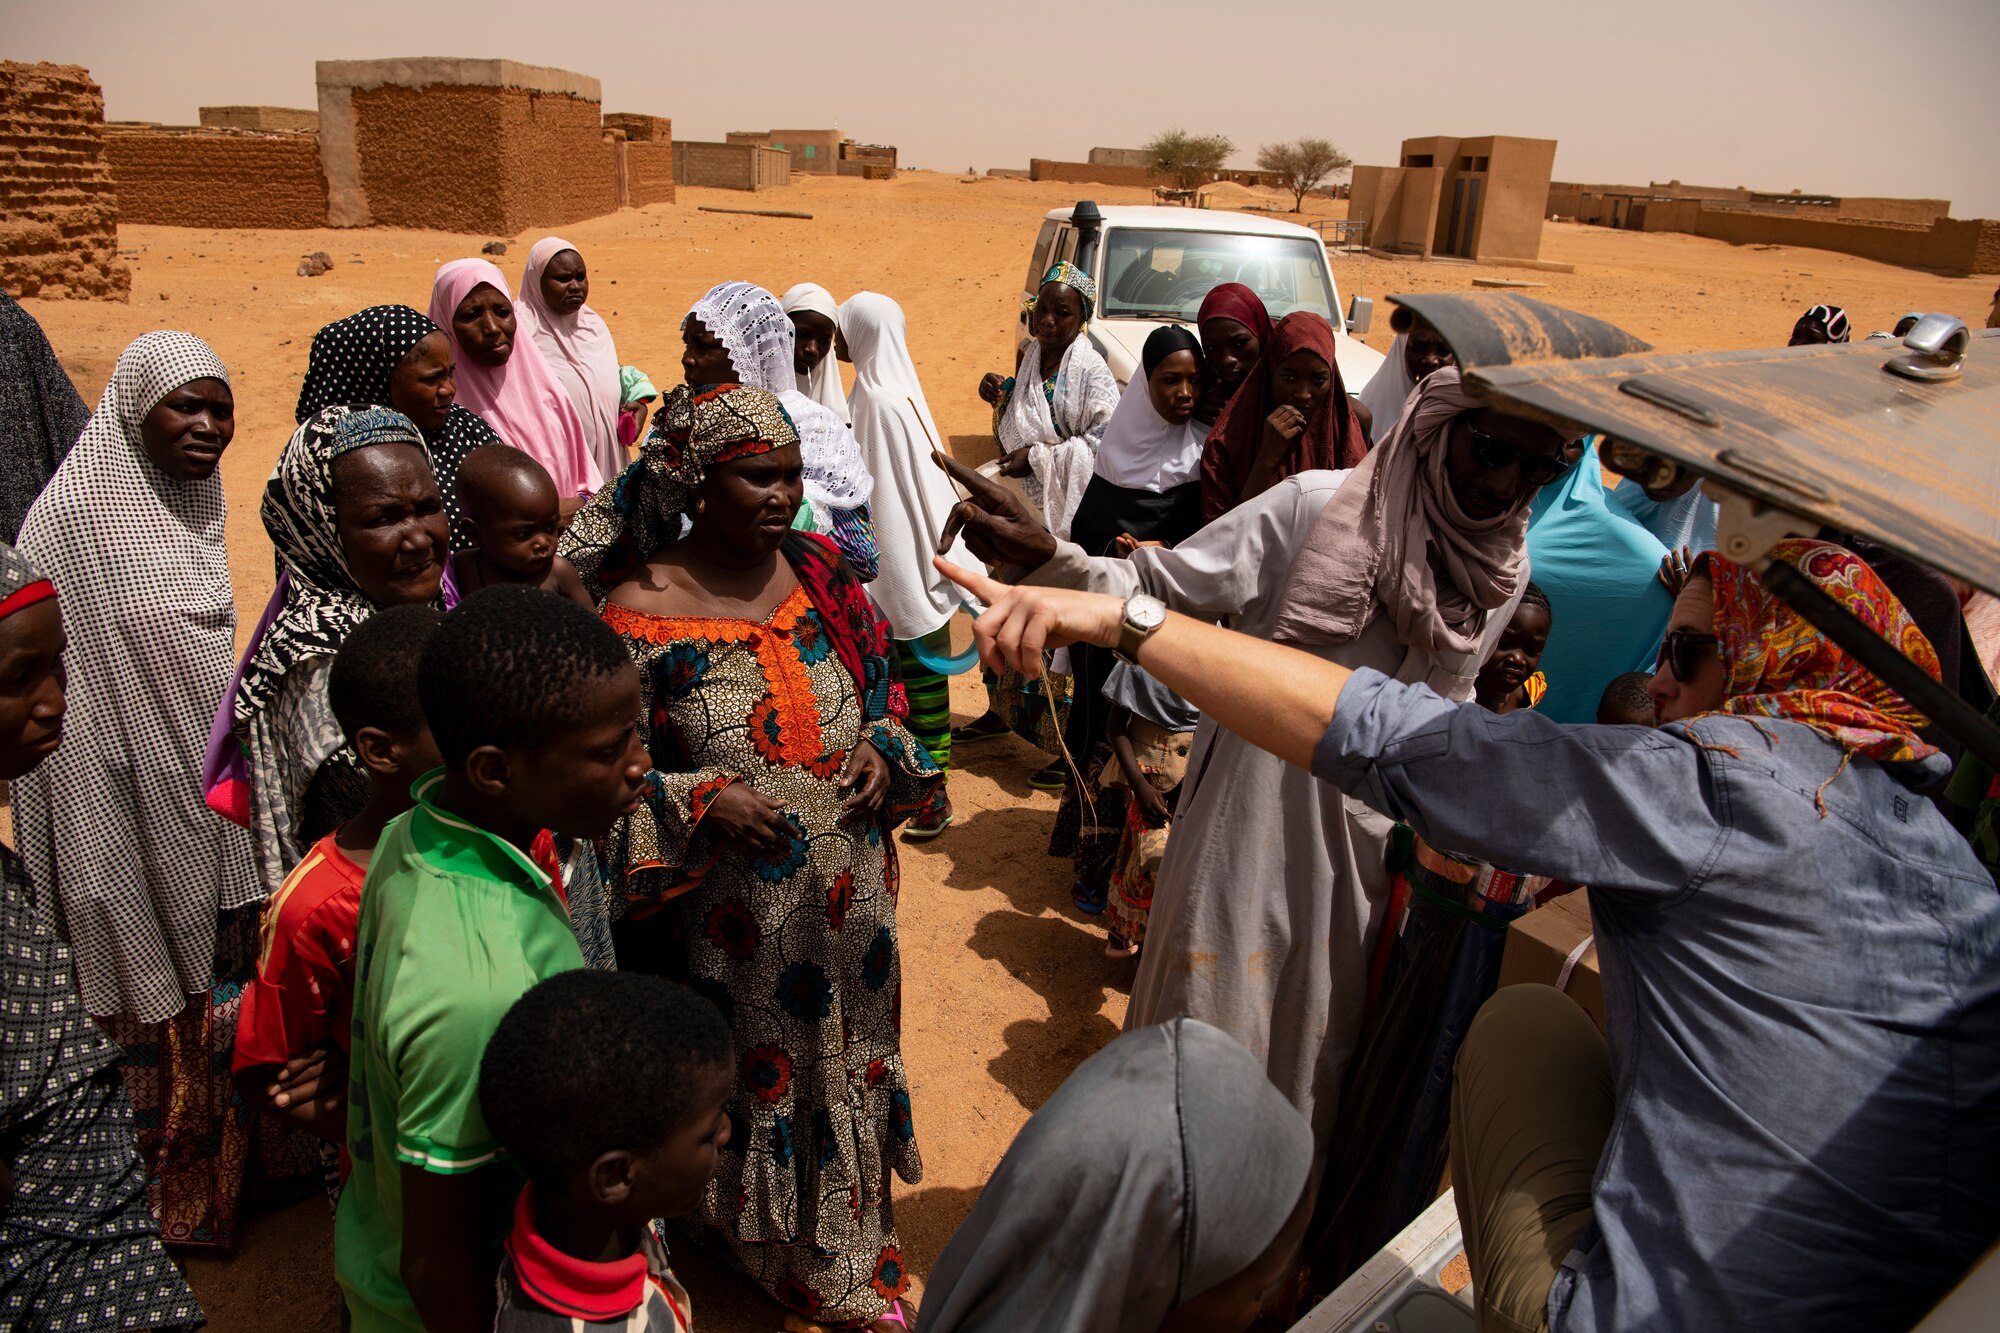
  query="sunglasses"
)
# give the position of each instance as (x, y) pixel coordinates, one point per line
(1494, 454)
(1684, 650)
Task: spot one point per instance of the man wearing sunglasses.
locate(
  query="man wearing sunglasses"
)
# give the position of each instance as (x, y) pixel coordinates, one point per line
(1496, 463)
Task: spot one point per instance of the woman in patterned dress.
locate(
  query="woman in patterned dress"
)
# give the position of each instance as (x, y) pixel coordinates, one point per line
(771, 713)
(79, 1248)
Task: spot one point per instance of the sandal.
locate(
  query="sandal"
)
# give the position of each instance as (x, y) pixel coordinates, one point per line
(983, 728)
(1088, 897)
(1117, 946)
(1052, 778)
(925, 832)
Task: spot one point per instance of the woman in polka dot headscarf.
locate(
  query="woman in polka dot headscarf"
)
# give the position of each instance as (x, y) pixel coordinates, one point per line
(157, 897)
(393, 356)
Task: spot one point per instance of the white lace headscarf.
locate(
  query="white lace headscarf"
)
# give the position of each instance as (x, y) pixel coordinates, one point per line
(757, 333)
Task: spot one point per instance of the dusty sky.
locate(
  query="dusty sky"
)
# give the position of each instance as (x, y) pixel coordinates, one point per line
(1839, 96)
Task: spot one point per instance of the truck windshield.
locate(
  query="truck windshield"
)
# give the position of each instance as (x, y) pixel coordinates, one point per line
(1165, 274)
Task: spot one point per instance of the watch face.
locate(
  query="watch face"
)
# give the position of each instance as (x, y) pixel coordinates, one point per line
(1145, 612)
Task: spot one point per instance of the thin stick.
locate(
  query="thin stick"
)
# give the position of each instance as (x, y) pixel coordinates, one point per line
(937, 454)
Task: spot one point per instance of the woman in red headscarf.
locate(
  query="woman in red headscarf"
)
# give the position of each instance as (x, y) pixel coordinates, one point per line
(1234, 326)
(1290, 414)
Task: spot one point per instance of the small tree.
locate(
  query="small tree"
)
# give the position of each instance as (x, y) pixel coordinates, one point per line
(1188, 160)
(1301, 165)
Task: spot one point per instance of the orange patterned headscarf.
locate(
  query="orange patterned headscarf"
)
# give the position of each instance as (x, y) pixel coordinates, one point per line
(1780, 666)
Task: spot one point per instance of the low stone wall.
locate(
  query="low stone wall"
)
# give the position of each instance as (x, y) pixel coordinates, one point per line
(58, 203)
(259, 118)
(194, 178)
(1954, 247)
(1088, 173)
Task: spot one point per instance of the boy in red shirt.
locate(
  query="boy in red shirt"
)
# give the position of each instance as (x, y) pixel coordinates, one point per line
(292, 1038)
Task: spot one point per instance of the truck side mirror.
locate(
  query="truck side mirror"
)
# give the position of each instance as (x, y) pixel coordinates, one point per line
(1360, 314)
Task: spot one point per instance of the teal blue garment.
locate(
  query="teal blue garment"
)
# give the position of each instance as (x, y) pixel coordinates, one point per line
(1600, 569)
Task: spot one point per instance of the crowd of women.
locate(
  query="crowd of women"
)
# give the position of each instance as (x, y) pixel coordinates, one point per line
(1314, 894)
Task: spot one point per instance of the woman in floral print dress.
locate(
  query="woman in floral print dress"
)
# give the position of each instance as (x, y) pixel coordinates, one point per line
(769, 708)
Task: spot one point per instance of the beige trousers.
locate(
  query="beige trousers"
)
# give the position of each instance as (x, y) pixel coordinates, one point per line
(1530, 1108)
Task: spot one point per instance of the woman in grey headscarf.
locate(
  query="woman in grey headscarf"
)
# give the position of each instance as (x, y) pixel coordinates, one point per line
(1160, 1187)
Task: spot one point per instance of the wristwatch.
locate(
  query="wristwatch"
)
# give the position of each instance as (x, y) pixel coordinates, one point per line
(1143, 615)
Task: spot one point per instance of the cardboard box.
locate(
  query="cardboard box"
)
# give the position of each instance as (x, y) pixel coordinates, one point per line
(1539, 943)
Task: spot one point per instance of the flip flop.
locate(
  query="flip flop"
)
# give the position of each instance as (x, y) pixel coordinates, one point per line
(914, 833)
(972, 732)
(1090, 898)
(1052, 778)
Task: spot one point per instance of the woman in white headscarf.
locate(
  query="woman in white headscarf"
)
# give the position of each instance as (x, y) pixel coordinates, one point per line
(1416, 352)
(1050, 417)
(1165, 1177)
(739, 334)
(576, 343)
(913, 498)
(815, 319)
(156, 896)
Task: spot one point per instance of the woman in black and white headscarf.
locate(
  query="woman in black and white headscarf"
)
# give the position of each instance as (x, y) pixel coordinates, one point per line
(304, 777)
(393, 356)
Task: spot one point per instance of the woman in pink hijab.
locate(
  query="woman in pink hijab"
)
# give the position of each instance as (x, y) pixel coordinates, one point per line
(519, 396)
(575, 342)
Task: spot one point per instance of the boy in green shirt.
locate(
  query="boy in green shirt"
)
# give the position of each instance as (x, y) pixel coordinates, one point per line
(534, 704)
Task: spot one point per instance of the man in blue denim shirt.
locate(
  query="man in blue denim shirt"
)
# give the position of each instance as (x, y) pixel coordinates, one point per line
(1797, 1121)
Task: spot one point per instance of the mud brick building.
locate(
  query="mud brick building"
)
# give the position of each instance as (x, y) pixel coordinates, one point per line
(58, 203)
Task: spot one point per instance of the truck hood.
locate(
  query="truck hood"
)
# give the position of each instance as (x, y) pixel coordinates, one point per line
(1120, 342)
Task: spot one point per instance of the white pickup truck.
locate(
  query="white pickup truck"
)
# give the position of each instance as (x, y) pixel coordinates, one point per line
(1153, 266)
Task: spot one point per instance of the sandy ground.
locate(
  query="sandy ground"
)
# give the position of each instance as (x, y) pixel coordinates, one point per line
(1007, 987)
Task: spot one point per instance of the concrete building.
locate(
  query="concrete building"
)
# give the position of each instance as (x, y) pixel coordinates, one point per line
(1481, 199)
(731, 166)
(871, 161)
(813, 152)
(1916, 233)
(58, 201)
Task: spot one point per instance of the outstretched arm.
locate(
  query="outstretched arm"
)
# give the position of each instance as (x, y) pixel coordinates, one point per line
(1277, 698)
